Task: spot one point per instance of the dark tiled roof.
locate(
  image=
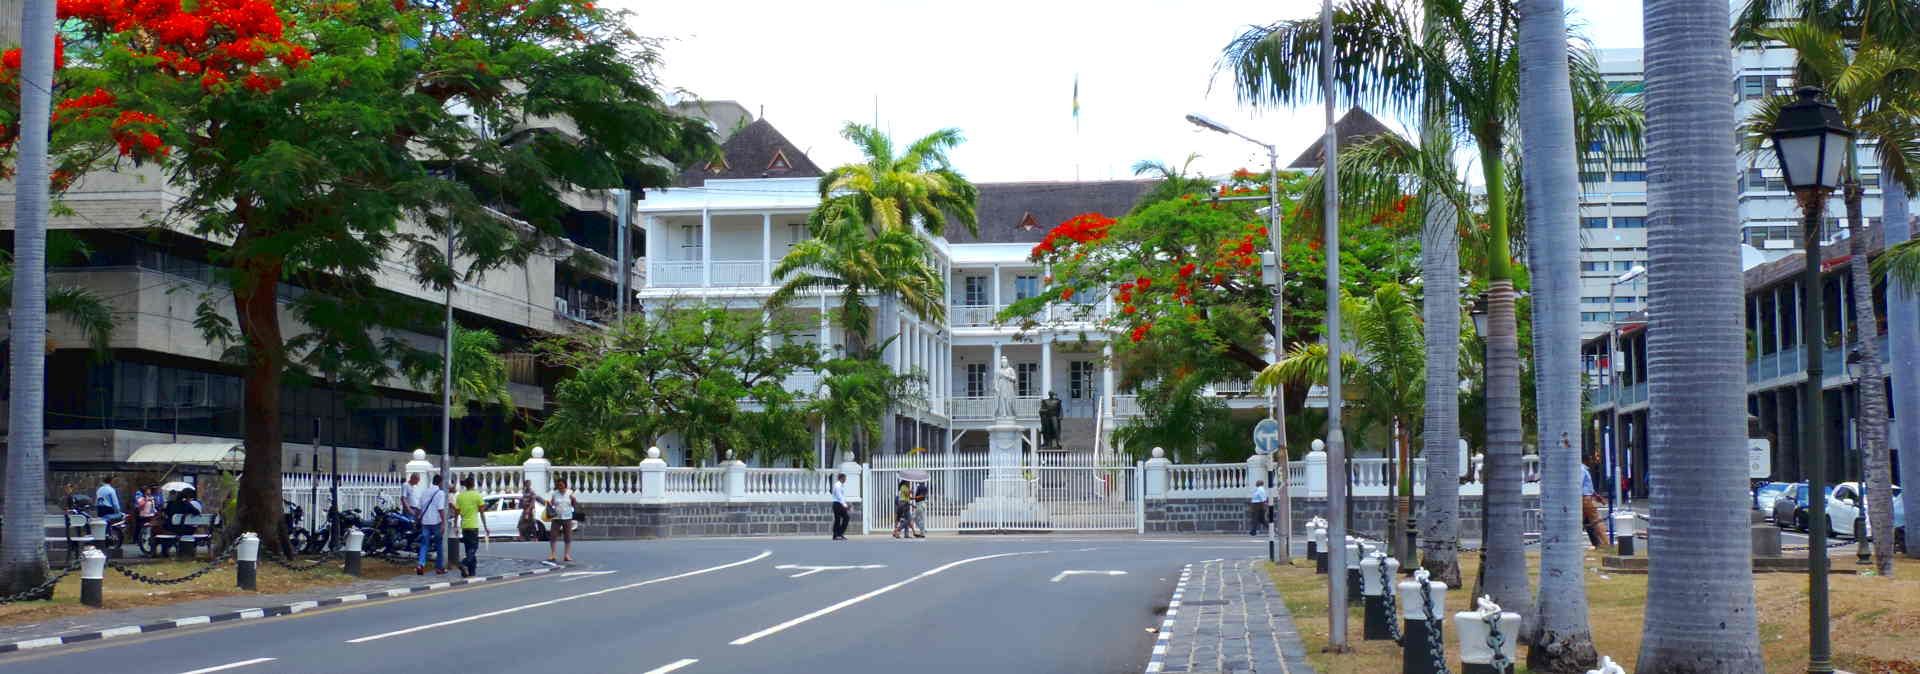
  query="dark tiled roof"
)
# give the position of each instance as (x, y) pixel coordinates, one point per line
(1789, 268)
(1353, 127)
(1023, 212)
(752, 152)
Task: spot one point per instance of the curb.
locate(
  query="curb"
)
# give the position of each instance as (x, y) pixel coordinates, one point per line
(1159, 658)
(263, 612)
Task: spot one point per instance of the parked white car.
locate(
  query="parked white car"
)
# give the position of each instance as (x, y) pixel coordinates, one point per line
(1844, 506)
(502, 514)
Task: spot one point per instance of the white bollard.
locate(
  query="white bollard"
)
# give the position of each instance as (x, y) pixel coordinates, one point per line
(1317, 545)
(1625, 522)
(97, 528)
(246, 554)
(93, 572)
(1377, 620)
(1474, 628)
(355, 538)
(1607, 666)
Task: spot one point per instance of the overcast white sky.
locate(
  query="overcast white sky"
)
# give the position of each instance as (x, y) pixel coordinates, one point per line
(1003, 73)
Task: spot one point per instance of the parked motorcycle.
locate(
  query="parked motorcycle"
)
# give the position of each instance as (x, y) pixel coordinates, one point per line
(396, 529)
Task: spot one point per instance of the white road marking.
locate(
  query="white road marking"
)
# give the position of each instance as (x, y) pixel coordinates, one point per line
(675, 665)
(776, 629)
(572, 576)
(810, 570)
(481, 616)
(233, 665)
(1076, 572)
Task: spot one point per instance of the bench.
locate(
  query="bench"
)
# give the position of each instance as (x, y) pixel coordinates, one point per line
(75, 531)
(193, 529)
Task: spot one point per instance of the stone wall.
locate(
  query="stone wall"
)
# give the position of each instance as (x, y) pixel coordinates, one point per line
(1197, 515)
(686, 520)
(1229, 515)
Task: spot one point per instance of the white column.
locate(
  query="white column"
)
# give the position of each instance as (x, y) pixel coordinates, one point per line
(653, 236)
(766, 248)
(993, 367)
(996, 296)
(1046, 367)
(706, 248)
(1106, 377)
(826, 346)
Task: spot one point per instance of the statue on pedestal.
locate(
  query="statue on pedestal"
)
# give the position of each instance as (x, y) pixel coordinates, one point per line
(1050, 421)
(1003, 390)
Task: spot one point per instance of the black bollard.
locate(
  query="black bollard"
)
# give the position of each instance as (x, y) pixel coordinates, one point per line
(1320, 563)
(1377, 621)
(1626, 545)
(1313, 549)
(352, 552)
(247, 562)
(1417, 638)
(1353, 585)
(93, 572)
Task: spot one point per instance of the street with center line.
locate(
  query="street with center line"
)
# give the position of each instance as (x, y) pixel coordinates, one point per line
(961, 604)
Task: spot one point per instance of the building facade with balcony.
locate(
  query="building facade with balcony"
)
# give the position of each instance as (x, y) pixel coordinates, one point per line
(1775, 377)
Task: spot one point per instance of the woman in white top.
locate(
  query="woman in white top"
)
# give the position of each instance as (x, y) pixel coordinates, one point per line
(560, 505)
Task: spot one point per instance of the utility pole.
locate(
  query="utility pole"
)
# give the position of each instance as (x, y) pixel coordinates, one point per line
(1336, 441)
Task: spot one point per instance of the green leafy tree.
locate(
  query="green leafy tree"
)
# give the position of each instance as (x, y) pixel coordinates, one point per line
(855, 394)
(479, 373)
(685, 370)
(321, 139)
(1873, 85)
(846, 258)
(83, 308)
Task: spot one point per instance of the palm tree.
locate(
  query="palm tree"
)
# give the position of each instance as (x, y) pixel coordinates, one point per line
(846, 257)
(1561, 639)
(1468, 53)
(1700, 607)
(893, 193)
(1173, 182)
(1870, 83)
(479, 374)
(1385, 370)
(80, 306)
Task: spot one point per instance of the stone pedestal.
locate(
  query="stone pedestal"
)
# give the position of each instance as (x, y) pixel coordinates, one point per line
(1005, 502)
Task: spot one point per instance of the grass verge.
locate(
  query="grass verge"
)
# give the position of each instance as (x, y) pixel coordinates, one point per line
(1874, 619)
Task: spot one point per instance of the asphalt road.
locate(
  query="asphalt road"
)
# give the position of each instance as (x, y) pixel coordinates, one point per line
(943, 604)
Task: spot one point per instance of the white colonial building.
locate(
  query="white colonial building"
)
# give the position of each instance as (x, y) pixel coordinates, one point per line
(717, 239)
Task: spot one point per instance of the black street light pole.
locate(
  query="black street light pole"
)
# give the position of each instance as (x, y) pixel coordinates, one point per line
(1811, 145)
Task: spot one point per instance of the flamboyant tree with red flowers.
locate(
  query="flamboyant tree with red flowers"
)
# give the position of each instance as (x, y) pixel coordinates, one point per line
(319, 140)
(1190, 305)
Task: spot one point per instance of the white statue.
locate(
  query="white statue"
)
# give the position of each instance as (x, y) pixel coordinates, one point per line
(1003, 390)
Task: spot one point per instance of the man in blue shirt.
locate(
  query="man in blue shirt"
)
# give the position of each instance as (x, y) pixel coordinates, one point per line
(106, 501)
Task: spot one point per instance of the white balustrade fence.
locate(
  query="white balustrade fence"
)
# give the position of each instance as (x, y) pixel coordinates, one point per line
(696, 484)
(1207, 480)
(492, 479)
(789, 484)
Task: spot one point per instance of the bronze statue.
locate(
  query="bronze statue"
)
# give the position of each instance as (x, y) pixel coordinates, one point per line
(1050, 421)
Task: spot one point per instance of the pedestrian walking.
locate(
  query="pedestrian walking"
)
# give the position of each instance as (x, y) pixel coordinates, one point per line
(560, 507)
(840, 514)
(903, 510)
(471, 523)
(1590, 503)
(433, 511)
(920, 509)
(1257, 508)
(528, 528)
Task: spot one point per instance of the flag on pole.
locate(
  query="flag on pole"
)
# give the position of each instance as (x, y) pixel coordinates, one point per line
(1076, 102)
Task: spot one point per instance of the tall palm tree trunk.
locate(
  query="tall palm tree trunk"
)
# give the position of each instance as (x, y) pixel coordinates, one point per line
(1700, 606)
(1560, 638)
(24, 550)
(1903, 345)
(1503, 570)
(887, 312)
(1877, 463)
(1440, 310)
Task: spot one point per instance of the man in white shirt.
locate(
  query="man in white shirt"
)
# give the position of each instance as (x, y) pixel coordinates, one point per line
(1257, 508)
(433, 509)
(840, 514)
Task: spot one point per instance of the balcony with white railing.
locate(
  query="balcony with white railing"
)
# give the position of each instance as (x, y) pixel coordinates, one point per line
(971, 408)
(675, 273)
(735, 273)
(972, 315)
(1126, 406)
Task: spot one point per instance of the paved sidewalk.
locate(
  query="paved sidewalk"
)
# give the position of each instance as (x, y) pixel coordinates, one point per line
(1227, 618)
(489, 567)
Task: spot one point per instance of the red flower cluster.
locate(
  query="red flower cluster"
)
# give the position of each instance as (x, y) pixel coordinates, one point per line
(81, 107)
(1082, 228)
(1140, 331)
(133, 132)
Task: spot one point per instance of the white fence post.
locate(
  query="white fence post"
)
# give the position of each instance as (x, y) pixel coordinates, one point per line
(653, 476)
(736, 480)
(1157, 474)
(856, 484)
(538, 470)
(1317, 470)
(421, 465)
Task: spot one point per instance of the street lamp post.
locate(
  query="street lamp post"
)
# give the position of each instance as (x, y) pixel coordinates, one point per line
(1613, 388)
(1284, 516)
(1811, 143)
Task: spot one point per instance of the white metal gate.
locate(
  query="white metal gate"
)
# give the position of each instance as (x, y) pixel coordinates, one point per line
(1048, 492)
